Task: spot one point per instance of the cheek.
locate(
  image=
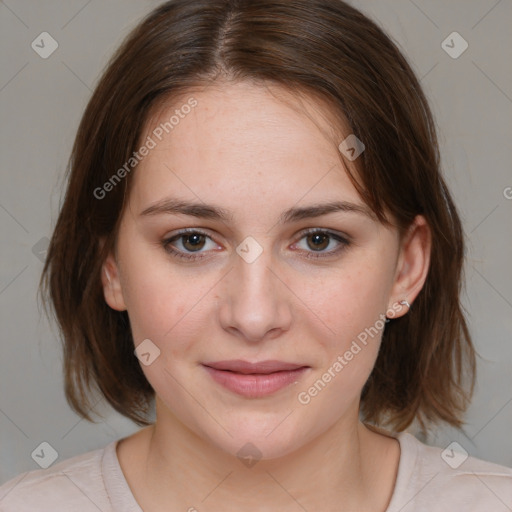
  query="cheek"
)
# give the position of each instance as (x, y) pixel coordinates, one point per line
(349, 301)
(352, 305)
(162, 300)
(352, 308)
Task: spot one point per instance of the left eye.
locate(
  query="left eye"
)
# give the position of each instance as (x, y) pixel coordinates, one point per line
(317, 241)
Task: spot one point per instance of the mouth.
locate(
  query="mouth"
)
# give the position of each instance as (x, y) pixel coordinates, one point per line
(255, 380)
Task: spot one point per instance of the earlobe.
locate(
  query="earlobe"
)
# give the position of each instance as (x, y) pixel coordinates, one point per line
(413, 265)
(112, 290)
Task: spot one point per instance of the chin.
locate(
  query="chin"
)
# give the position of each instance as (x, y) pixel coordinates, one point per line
(259, 436)
(248, 446)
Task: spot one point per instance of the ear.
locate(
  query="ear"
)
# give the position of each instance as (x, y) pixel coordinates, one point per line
(412, 266)
(110, 280)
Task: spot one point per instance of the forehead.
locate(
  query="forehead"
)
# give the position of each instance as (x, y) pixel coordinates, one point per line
(244, 145)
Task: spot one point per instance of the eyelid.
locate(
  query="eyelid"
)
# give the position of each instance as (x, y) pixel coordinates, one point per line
(327, 231)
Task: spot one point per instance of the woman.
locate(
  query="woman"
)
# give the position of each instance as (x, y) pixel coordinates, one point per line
(256, 234)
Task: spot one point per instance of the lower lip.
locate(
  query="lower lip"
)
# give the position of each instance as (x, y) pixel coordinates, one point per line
(255, 385)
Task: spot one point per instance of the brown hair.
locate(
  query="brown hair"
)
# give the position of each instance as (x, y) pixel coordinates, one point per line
(328, 50)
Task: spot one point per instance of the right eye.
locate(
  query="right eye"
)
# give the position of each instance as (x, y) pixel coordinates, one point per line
(190, 240)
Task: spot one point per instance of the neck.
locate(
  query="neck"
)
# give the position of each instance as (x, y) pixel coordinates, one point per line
(345, 468)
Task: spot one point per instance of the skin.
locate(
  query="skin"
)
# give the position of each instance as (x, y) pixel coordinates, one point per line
(245, 148)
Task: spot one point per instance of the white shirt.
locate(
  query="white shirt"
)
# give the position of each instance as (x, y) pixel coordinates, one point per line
(94, 482)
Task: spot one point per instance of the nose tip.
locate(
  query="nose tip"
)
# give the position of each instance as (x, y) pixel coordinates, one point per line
(252, 334)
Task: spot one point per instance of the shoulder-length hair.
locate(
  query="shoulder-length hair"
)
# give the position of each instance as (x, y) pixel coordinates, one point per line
(324, 48)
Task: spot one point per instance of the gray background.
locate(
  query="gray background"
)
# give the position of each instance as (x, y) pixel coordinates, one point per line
(41, 101)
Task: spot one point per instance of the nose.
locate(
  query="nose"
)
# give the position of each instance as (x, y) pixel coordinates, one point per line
(255, 302)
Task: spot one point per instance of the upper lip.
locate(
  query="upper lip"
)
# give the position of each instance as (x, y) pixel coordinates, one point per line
(263, 367)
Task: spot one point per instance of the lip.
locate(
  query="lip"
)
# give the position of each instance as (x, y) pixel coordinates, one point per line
(254, 380)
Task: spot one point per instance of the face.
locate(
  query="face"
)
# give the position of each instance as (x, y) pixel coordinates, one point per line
(264, 311)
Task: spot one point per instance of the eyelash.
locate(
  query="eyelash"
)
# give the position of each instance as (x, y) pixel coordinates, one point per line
(343, 241)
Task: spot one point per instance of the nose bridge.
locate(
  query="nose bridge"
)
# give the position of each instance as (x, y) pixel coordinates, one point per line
(254, 303)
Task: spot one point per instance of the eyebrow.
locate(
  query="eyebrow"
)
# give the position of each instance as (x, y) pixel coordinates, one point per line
(171, 206)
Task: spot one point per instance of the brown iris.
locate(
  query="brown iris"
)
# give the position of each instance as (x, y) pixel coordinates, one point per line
(320, 241)
(196, 241)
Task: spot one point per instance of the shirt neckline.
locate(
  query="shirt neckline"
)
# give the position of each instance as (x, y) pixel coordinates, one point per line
(406, 464)
(121, 497)
(118, 491)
